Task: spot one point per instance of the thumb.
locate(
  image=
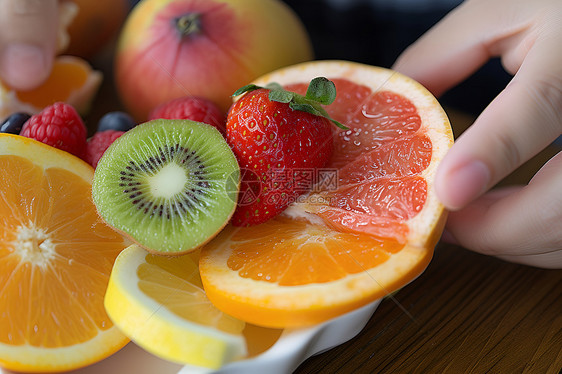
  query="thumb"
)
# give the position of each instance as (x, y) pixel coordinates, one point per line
(28, 35)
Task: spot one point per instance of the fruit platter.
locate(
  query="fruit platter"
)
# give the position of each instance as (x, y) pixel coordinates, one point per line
(245, 208)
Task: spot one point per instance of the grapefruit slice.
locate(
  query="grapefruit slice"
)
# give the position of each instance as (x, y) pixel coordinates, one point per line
(371, 222)
(56, 256)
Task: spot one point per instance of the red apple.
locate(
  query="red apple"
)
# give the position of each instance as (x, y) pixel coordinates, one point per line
(206, 48)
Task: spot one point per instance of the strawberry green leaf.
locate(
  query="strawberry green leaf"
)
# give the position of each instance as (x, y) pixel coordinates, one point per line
(273, 86)
(321, 90)
(317, 110)
(246, 88)
(338, 123)
(307, 108)
(281, 96)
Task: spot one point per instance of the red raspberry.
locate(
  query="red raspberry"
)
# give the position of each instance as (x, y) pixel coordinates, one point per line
(60, 126)
(190, 107)
(98, 143)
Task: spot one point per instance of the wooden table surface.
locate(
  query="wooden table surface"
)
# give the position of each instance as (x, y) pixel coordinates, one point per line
(467, 313)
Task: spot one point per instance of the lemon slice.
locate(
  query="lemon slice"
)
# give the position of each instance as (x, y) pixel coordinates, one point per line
(159, 303)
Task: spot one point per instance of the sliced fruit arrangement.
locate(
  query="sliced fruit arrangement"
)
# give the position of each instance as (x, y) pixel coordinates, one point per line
(56, 256)
(170, 185)
(359, 222)
(368, 226)
(72, 80)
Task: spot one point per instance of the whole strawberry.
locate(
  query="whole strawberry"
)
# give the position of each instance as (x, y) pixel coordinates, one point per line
(60, 126)
(98, 144)
(191, 107)
(280, 139)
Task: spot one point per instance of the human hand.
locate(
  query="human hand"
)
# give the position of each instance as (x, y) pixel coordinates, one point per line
(28, 41)
(520, 223)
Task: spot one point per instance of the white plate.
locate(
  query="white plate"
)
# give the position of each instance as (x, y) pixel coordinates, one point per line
(284, 356)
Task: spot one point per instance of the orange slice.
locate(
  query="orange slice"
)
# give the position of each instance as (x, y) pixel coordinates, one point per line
(371, 222)
(72, 80)
(56, 256)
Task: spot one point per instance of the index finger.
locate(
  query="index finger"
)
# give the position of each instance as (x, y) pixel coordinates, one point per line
(28, 35)
(462, 42)
(521, 121)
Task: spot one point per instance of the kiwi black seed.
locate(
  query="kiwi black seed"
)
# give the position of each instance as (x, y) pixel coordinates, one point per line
(168, 184)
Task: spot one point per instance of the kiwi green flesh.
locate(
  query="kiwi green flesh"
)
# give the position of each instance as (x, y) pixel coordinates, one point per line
(170, 185)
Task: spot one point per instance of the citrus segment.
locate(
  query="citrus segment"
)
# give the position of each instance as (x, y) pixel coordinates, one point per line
(55, 260)
(368, 226)
(293, 273)
(300, 253)
(159, 303)
(72, 80)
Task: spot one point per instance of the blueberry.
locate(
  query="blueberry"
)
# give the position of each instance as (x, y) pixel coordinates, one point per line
(14, 123)
(118, 121)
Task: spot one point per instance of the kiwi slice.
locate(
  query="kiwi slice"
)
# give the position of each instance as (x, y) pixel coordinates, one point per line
(170, 185)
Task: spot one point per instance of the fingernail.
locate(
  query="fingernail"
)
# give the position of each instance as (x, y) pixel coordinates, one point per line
(464, 184)
(23, 65)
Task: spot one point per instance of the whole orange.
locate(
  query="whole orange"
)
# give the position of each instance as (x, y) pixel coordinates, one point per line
(207, 48)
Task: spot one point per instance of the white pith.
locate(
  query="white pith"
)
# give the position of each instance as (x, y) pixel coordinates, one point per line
(34, 245)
